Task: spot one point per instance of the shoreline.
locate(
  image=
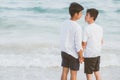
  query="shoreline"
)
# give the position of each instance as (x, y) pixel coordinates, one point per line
(51, 73)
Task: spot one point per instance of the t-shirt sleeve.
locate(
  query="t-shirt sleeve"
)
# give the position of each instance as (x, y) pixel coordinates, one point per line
(85, 35)
(78, 40)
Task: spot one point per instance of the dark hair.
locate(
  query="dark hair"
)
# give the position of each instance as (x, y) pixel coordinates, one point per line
(93, 13)
(75, 8)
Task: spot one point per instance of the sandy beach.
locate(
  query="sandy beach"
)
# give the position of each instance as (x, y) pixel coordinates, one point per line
(53, 73)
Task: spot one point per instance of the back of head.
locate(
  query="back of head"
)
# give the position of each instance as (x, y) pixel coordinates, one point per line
(75, 8)
(93, 13)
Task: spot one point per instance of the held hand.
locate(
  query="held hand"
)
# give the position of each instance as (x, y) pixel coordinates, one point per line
(81, 60)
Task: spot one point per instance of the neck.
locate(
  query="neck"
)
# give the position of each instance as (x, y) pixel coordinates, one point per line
(90, 22)
(73, 19)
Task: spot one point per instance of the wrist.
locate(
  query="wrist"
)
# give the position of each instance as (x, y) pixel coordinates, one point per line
(80, 57)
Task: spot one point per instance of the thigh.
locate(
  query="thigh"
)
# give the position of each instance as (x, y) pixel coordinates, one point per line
(73, 74)
(65, 59)
(65, 70)
(89, 76)
(74, 63)
(97, 66)
(90, 64)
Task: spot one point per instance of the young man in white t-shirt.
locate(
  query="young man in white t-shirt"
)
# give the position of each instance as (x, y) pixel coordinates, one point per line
(92, 42)
(71, 43)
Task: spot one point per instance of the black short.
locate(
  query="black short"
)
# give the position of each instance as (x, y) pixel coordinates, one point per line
(69, 61)
(91, 65)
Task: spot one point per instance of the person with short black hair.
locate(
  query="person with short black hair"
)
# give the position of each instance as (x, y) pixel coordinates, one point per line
(92, 43)
(93, 13)
(71, 43)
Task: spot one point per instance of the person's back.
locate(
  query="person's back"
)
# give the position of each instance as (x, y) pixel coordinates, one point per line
(68, 32)
(95, 34)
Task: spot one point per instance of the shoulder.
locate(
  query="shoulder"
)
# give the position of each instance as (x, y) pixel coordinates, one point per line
(87, 28)
(65, 22)
(99, 27)
(77, 26)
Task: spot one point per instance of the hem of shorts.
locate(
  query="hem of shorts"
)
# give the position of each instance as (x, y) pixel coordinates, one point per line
(92, 57)
(70, 68)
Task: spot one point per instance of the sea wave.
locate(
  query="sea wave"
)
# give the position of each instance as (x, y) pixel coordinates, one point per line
(52, 59)
(36, 9)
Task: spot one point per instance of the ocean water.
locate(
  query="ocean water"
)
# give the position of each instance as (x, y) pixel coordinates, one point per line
(29, 31)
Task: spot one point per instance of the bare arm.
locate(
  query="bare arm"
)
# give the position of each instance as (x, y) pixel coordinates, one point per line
(81, 59)
(78, 44)
(84, 45)
(80, 53)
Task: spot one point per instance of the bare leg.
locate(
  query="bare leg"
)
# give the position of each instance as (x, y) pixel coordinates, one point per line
(89, 76)
(64, 73)
(73, 75)
(97, 75)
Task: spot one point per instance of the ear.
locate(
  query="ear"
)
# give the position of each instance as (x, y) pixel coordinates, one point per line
(92, 18)
(76, 14)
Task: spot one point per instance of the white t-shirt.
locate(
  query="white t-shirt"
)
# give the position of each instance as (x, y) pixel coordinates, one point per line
(71, 38)
(93, 35)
